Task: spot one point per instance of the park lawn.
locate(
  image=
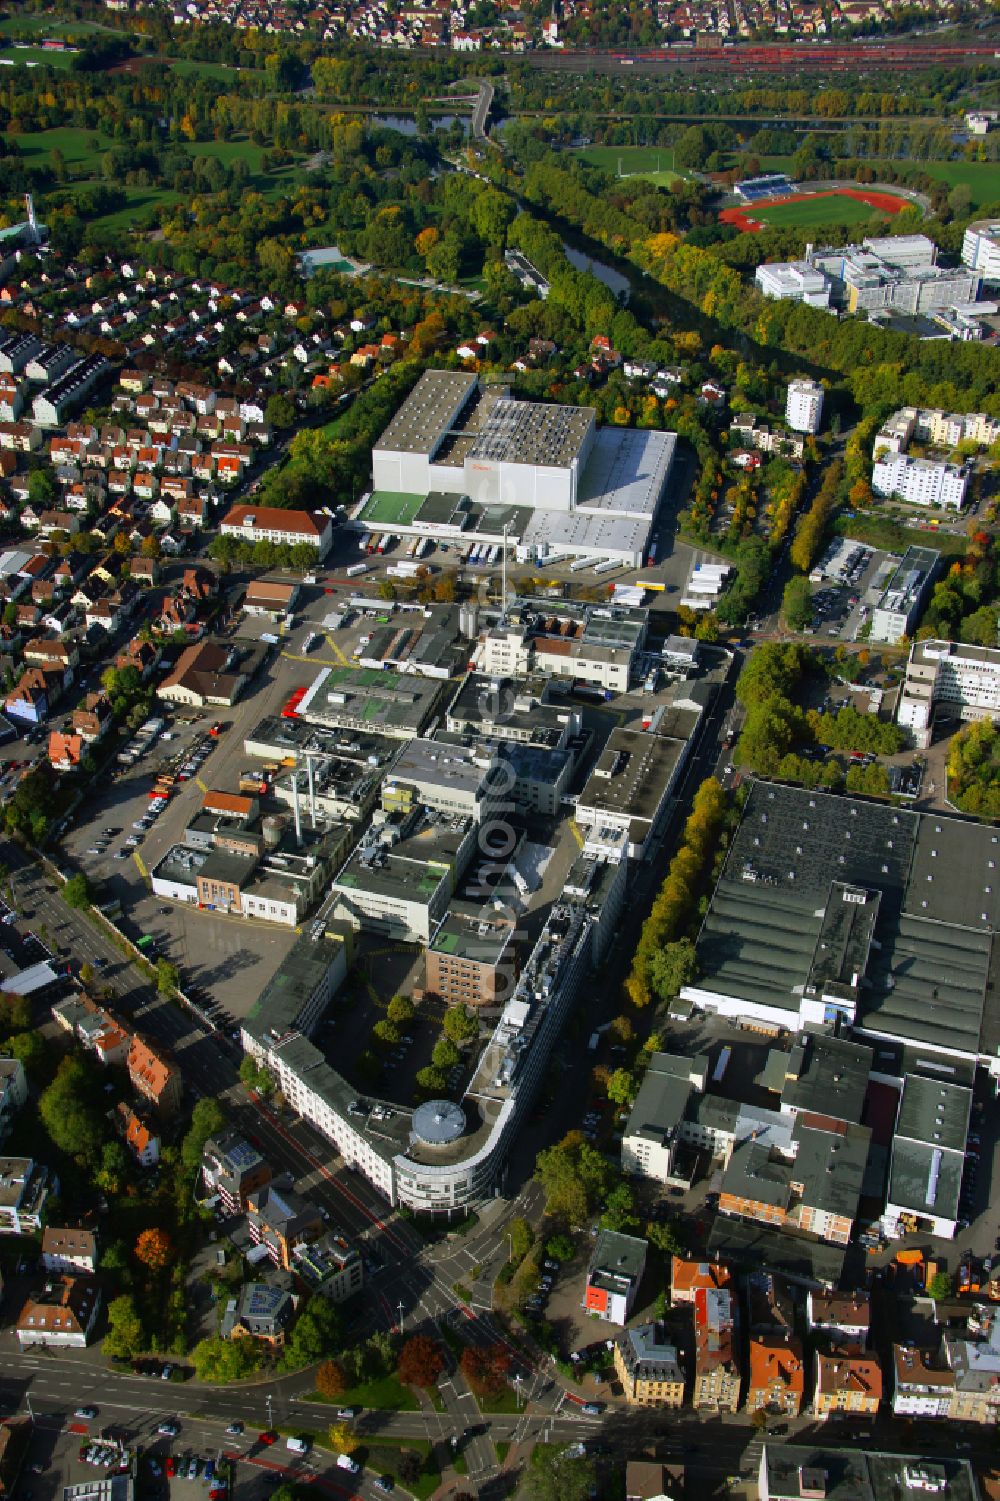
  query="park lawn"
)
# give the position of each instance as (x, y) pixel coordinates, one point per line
(189, 67)
(836, 209)
(80, 148)
(386, 1393)
(888, 535)
(229, 151)
(382, 1456)
(502, 1448)
(506, 1402)
(38, 57)
(22, 22)
(142, 203)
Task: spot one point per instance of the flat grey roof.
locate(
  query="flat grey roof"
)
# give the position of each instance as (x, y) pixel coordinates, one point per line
(829, 1076)
(634, 770)
(925, 1179)
(533, 432)
(927, 972)
(934, 1111)
(473, 935)
(626, 472)
(436, 763)
(750, 1243)
(426, 414)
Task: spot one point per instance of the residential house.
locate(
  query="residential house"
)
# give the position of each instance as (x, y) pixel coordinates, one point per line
(975, 1364)
(649, 1368)
(330, 1265)
(154, 1078)
(846, 1316)
(65, 1250)
(653, 1480)
(263, 1311)
(65, 752)
(688, 1278)
(281, 1219)
(94, 1028)
(24, 1187)
(777, 1375)
(62, 1315)
(923, 1383)
(847, 1381)
(138, 1135)
(613, 1277)
(36, 692)
(716, 1367)
(233, 1169)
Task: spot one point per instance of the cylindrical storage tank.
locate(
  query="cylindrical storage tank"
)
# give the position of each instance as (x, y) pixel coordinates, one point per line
(272, 827)
(468, 621)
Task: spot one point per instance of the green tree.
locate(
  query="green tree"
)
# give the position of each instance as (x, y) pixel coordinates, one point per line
(796, 604)
(219, 1360)
(560, 1247)
(42, 489)
(940, 1286)
(71, 1110)
(554, 1476)
(619, 1210)
(317, 1333)
(386, 1032)
(207, 1119)
(672, 967)
(575, 1178)
(76, 891)
(460, 1024)
(400, 1010)
(167, 976)
(280, 411)
(445, 1054)
(664, 1237)
(32, 1050)
(431, 1080)
(622, 1087)
(126, 1336)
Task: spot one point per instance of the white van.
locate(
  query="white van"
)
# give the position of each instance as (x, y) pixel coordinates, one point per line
(345, 1462)
(297, 1445)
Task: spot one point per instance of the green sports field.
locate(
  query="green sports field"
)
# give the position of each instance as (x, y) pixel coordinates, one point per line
(983, 178)
(813, 212)
(649, 162)
(36, 57)
(391, 508)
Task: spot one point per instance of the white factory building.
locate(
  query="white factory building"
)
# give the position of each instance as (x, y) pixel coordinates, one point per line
(463, 462)
(921, 482)
(949, 678)
(892, 272)
(981, 250)
(804, 406)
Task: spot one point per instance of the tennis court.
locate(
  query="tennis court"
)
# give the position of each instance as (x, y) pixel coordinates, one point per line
(391, 508)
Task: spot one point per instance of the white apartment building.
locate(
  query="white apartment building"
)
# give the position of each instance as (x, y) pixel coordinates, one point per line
(920, 1390)
(960, 681)
(981, 250)
(804, 406)
(931, 425)
(921, 482)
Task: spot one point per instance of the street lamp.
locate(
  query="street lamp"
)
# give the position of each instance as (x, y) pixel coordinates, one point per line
(270, 1418)
(399, 1307)
(517, 1389)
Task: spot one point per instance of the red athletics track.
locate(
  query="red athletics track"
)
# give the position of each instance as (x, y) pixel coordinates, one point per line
(888, 203)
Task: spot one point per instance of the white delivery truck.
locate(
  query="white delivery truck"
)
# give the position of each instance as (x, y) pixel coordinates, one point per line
(297, 1445)
(345, 1462)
